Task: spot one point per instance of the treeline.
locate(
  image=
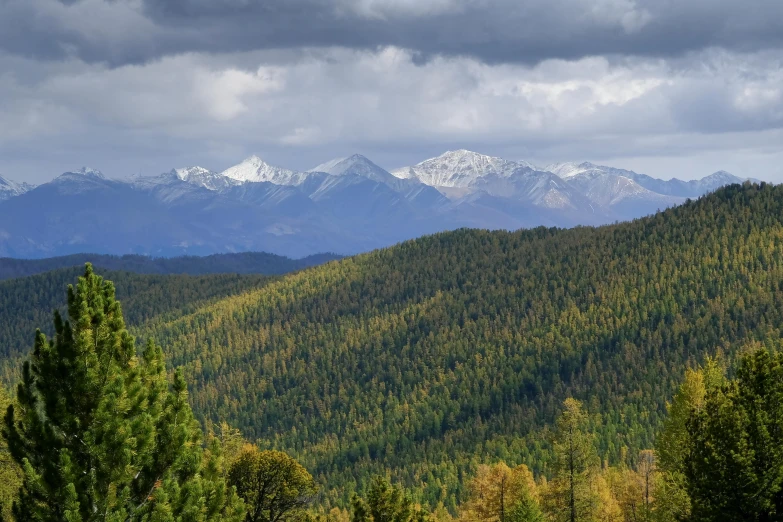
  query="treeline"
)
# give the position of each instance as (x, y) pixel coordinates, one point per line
(241, 263)
(432, 357)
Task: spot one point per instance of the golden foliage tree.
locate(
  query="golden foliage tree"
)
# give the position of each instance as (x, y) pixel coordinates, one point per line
(274, 486)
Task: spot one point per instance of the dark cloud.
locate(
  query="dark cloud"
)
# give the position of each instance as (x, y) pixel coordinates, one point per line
(496, 31)
(146, 85)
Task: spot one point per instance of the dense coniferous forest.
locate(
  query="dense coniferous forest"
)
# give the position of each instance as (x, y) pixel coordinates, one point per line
(242, 263)
(427, 361)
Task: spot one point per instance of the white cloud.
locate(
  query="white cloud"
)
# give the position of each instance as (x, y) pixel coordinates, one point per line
(220, 108)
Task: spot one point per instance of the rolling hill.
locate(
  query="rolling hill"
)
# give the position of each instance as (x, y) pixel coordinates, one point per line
(456, 348)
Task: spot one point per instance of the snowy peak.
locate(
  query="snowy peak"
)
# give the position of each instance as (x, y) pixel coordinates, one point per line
(206, 178)
(568, 170)
(84, 175)
(188, 173)
(722, 177)
(358, 165)
(256, 170)
(9, 189)
(460, 169)
(88, 172)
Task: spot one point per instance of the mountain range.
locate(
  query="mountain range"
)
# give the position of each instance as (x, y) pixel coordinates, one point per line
(346, 205)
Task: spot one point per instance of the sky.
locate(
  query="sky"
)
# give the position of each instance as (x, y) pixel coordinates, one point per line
(670, 88)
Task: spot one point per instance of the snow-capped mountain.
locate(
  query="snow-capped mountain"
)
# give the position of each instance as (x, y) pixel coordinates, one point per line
(542, 189)
(345, 206)
(612, 188)
(672, 187)
(254, 169)
(461, 173)
(360, 167)
(206, 178)
(10, 189)
(460, 169)
(688, 189)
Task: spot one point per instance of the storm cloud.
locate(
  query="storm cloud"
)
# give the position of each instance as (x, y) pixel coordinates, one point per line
(494, 31)
(140, 86)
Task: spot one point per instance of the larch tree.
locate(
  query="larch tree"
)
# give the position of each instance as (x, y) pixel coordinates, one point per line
(674, 443)
(498, 493)
(571, 495)
(101, 434)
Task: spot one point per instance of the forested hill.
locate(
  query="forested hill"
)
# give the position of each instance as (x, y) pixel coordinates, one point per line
(242, 263)
(458, 348)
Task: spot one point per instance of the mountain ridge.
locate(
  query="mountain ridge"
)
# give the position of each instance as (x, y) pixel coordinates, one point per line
(347, 205)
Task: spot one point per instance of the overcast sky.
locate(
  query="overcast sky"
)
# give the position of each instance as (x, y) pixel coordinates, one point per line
(666, 87)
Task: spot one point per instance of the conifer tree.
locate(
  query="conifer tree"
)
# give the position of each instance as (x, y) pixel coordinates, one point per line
(571, 495)
(386, 503)
(498, 493)
(101, 434)
(734, 465)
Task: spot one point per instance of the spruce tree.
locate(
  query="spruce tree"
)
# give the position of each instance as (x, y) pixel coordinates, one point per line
(101, 434)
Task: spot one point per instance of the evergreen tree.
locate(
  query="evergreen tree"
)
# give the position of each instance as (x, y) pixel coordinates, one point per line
(572, 497)
(734, 466)
(385, 503)
(101, 434)
(10, 474)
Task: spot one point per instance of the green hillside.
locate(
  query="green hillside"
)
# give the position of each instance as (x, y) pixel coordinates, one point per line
(434, 355)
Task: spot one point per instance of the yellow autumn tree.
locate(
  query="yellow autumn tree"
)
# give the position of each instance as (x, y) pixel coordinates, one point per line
(571, 495)
(498, 493)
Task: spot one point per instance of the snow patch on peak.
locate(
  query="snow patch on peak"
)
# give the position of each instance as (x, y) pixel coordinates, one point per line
(256, 170)
(88, 171)
(206, 178)
(9, 188)
(186, 173)
(360, 166)
(355, 164)
(722, 176)
(570, 169)
(460, 168)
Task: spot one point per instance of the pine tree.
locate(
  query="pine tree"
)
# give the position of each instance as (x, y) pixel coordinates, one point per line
(101, 434)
